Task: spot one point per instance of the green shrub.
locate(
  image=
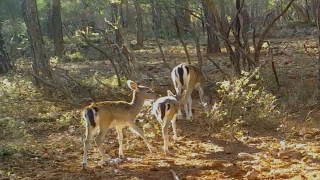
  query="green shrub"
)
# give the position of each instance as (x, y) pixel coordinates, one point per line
(243, 102)
(73, 57)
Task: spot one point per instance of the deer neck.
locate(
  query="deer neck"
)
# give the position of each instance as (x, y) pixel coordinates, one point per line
(137, 102)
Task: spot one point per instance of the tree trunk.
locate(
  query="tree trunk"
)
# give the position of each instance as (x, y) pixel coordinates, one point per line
(314, 10)
(5, 65)
(115, 17)
(182, 16)
(223, 13)
(212, 40)
(49, 29)
(57, 28)
(124, 8)
(198, 47)
(307, 9)
(156, 18)
(318, 25)
(41, 64)
(139, 24)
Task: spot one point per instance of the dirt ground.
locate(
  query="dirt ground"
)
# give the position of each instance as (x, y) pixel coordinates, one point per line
(290, 150)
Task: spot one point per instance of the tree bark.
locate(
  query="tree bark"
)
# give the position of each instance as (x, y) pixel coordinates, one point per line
(41, 64)
(156, 18)
(115, 18)
(139, 24)
(49, 29)
(5, 65)
(318, 25)
(182, 16)
(314, 10)
(213, 45)
(57, 28)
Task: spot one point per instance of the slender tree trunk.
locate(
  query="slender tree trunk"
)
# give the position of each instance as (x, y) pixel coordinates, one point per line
(314, 10)
(181, 15)
(5, 65)
(57, 28)
(41, 64)
(156, 18)
(318, 25)
(307, 9)
(187, 15)
(115, 17)
(198, 47)
(49, 20)
(236, 62)
(124, 6)
(181, 39)
(139, 24)
(223, 12)
(212, 40)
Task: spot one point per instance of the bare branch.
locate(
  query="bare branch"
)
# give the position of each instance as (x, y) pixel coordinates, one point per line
(265, 19)
(105, 54)
(266, 31)
(65, 92)
(217, 66)
(105, 85)
(135, 63)
(174, 174)
(77, 105)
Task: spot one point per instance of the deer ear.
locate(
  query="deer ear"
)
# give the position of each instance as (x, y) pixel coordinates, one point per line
(169, 93)
(132, 85)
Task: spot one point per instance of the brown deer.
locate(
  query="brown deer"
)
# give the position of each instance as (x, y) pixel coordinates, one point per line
(165, 109)
(188, 77)
(109, 114)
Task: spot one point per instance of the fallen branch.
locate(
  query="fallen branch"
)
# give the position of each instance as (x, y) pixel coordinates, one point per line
(78, 105)
(105, 85)
(217, 66)
(65, 92)
(174, 174)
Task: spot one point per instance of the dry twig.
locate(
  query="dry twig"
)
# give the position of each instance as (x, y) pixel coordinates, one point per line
(174, 174)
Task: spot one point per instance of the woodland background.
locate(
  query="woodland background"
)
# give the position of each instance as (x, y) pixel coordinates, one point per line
(260, 58)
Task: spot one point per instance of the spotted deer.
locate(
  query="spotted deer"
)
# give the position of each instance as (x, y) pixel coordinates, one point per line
(165, 109)
(109, 114)
(188, 77)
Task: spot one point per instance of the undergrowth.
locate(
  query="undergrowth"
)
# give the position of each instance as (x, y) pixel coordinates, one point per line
(244, 103)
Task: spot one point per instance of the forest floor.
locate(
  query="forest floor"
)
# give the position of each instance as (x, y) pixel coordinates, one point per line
(40, 142)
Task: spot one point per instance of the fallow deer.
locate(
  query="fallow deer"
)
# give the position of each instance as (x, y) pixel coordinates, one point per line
(188, 77)
(165, 109)
(109, 114)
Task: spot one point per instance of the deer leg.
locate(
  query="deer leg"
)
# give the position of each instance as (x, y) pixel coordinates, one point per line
(134, 128)
(165, 135)
(200, 89)
(204, 102)
(174, 127)
(120, 140)
(98, 139)
(86, 144)
(178, 92)
(190, 108)
(187, 104)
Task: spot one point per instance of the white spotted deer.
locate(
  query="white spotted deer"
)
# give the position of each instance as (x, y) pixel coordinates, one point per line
(188, 77)
(165, 109)
(109, 114)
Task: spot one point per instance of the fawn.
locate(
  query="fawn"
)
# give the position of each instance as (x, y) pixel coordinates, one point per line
(165, 109)
(109, 114)
(188, 77)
